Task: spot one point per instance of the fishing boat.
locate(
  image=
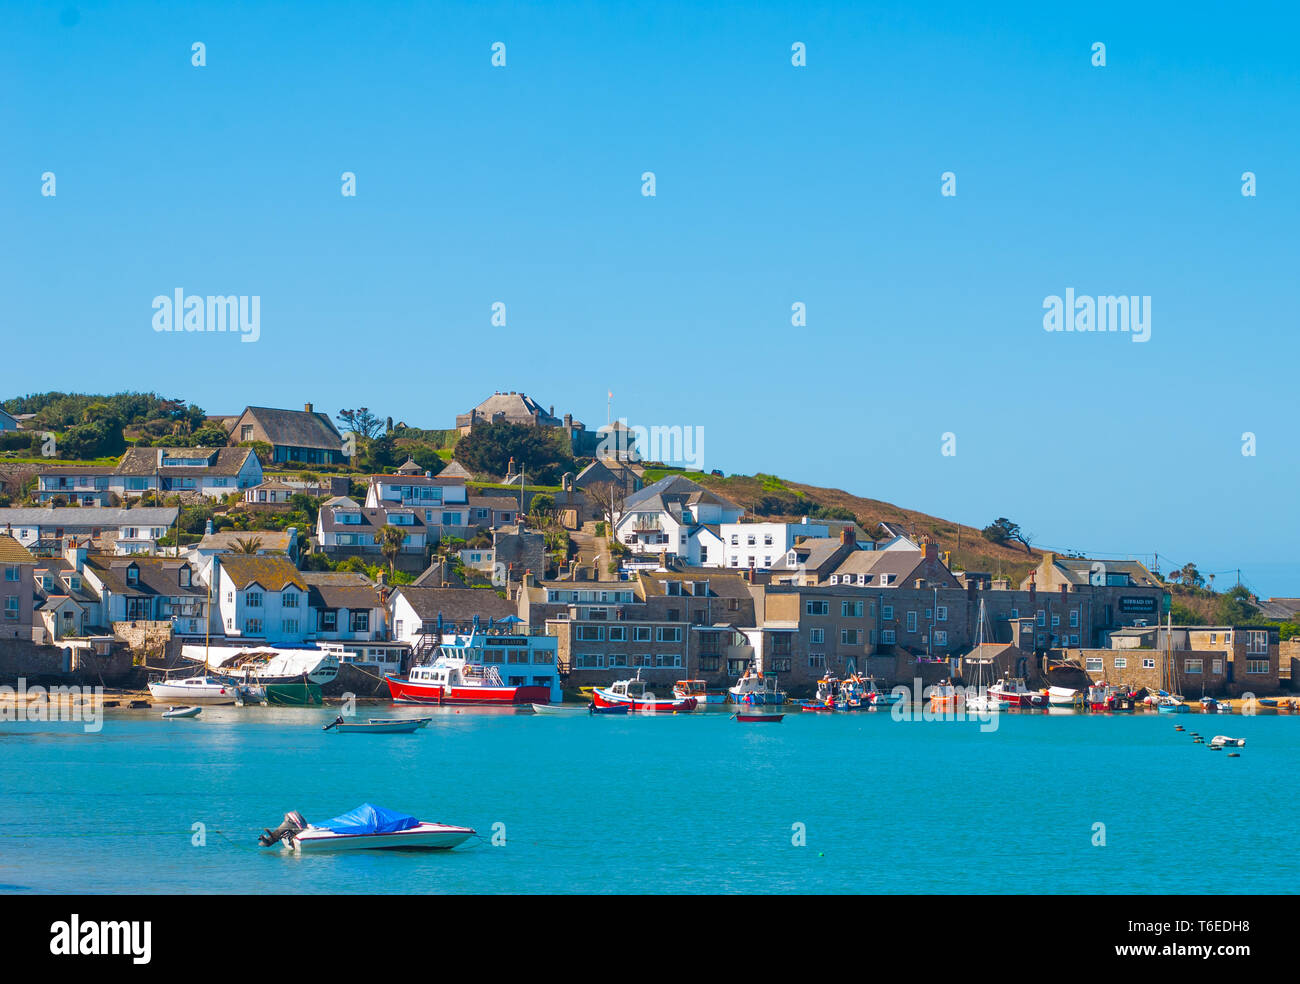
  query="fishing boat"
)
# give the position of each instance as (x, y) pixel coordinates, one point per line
(944, 696)
(1015, 693)
(758, 717)
(284, 677)
(378, 726)
(1062, 696)
(700, 691)
(1221, 740)
(182, 712)
(876, 697)
(195, 690)
(368, 827)
(458, 675)
(634, 695)
(754, 688)
(813, 705)
(561, 710)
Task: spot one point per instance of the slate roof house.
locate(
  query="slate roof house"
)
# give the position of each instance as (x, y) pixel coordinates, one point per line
(262, 598)
(303, 436)
(517, 408)
(149, 589)
(214, 472)
(415, 611)
(676, 516)
(16, 579)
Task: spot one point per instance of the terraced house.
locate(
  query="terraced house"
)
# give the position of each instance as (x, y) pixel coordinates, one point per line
(118, 531)
(17, 567)
(212, 472)
(261, 598)
(149, 589)
(666, 624)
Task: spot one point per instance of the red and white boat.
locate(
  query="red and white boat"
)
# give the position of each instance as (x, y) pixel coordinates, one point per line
(1015, 693)
(458, 676)
(632, 693)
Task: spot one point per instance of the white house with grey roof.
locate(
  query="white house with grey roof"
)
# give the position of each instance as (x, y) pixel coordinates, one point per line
(678, 517)
(118, 531)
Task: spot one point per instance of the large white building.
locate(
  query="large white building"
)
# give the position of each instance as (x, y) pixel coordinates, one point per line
(760, 545)
(678, 517)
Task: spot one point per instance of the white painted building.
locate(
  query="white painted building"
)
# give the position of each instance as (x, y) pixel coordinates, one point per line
(760, 545)
(262, 598)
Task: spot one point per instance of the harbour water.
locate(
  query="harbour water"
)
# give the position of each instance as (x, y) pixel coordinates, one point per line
(678, 803)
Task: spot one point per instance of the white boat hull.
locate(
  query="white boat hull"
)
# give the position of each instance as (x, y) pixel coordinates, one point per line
(202, 694)
(425, 836)
(560, 710)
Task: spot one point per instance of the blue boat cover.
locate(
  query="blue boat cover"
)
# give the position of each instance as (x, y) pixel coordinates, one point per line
(370, 819)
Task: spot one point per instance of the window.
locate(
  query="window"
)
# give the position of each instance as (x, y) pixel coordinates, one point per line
(617, 659)
(850, 637)
(1015, 613)
(12, 573)
(710, 664)
(887, 637)
(780, 665)
(1074, 618)
(1042, 617)
(591, 633)
(911, 621)
(816, 636)
(588, 661)
(329, 620)
(851, 608)
(887, 612)
(818, 608)
(666, 634)
(11, 608)
(289, 599)
(1094, 664)
(1149, 663)
(941, 613)
(253, 599)
(1256, 642)
(940, 637)
(361, 621)
(641, 633)
(289, 625)
(1217, 667)
(1256, 666)
(1193, 666)
(253, 626)
(1121, 662)
(817, 661)
(617, 633)
(1056, 620)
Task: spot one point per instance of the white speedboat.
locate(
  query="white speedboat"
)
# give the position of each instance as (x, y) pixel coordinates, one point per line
(1062, 696)
(195, 690)
(366, 828)
(182, 712)
(985, 702)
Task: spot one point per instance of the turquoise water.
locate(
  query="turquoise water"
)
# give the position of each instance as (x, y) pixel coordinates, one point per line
(684, 803)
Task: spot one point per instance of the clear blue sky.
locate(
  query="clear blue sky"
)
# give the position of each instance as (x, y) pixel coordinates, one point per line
(775, 184)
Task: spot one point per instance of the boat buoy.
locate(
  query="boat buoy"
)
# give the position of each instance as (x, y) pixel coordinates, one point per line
(1179, 727)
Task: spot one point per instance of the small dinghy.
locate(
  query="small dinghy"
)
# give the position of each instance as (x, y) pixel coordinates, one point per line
(561, 709)
(182, 712)
(366, 828)
(757, 718)
(379, 726)
(1222, 740)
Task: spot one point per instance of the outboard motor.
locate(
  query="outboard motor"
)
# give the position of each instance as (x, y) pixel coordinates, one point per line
(293, 822)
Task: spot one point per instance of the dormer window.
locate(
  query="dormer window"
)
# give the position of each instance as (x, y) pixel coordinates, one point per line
(133, 575)
(74, 582)
(185, 576)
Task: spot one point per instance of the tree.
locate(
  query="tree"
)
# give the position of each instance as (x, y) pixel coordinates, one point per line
(390, 540)
(610, 496)
(541, 505)
(247, 545)
(1002, 530)
(361, 422)
(1189, 575)
(540, 451)
(1236, 607)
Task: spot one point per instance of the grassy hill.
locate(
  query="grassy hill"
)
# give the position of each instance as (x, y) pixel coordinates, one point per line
(768, 497)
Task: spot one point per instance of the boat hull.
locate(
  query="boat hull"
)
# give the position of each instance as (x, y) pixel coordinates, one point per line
(656, 705)
(193, 695)
(406, 692)
(425, 837)
(1018, 699)
(294, 694)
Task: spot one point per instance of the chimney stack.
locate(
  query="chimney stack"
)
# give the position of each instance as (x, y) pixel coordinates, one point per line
(307, 407)
(848, 536)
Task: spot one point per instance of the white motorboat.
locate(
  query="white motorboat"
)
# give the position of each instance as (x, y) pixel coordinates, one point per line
(378, 726)
(981, 703)
(182, 712)
(366, 828)
(1222, 740)
(756, 689)
(195, 690)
